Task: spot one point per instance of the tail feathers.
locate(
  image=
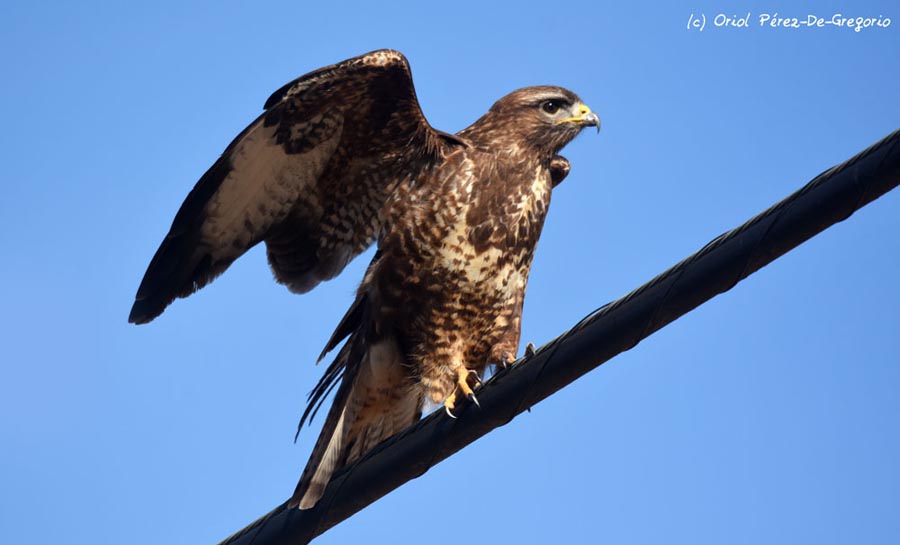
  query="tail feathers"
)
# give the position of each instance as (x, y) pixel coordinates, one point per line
(315, 478)
(371, 405)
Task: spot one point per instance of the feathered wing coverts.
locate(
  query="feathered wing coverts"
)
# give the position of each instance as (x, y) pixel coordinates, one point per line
(308, 178)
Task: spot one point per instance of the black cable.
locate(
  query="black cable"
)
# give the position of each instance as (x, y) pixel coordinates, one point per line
(829, 198)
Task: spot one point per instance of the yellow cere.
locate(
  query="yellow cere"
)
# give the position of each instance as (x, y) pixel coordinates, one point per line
(583, 111)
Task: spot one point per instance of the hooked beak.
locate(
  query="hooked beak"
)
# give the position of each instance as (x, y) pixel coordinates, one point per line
(585, 118)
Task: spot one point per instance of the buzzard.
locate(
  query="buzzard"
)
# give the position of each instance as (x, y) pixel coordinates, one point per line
(341, 158)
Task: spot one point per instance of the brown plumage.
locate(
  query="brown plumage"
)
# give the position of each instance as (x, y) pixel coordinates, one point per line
(344, 157)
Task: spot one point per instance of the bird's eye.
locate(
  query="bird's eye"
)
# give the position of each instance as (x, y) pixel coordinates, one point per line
(550, 106)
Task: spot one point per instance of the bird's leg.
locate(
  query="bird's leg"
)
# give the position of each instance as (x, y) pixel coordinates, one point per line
(503, 357)
(504, 361)
(462, 385)
(503, 351)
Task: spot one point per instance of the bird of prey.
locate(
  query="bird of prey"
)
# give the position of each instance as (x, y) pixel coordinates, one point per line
(343, 158)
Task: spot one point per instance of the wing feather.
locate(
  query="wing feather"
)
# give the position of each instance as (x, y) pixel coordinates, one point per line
(309, 177)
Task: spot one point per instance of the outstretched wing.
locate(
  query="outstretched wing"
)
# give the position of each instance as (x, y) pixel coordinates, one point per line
(309, 177)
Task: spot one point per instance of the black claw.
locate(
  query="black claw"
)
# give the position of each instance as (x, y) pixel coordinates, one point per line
(529, 350)
(474, 400)
(447, 410)
(478, 380)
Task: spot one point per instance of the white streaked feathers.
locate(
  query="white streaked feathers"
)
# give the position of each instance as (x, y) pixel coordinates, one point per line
(268, 182)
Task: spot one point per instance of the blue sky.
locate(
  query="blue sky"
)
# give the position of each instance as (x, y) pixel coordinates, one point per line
(768, 415)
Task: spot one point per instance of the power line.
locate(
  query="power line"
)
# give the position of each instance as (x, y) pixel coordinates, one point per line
(829, 198)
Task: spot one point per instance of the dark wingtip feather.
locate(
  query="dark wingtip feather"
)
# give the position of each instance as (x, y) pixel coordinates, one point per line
(144, 312)
(177, 269)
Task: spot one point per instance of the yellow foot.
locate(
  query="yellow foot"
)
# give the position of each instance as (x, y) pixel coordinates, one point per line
(462, 385)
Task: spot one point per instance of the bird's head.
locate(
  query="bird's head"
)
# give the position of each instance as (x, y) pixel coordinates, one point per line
(544, 117)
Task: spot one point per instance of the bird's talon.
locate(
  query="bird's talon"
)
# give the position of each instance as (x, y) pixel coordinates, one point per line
(529, 350)
(462, 385)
